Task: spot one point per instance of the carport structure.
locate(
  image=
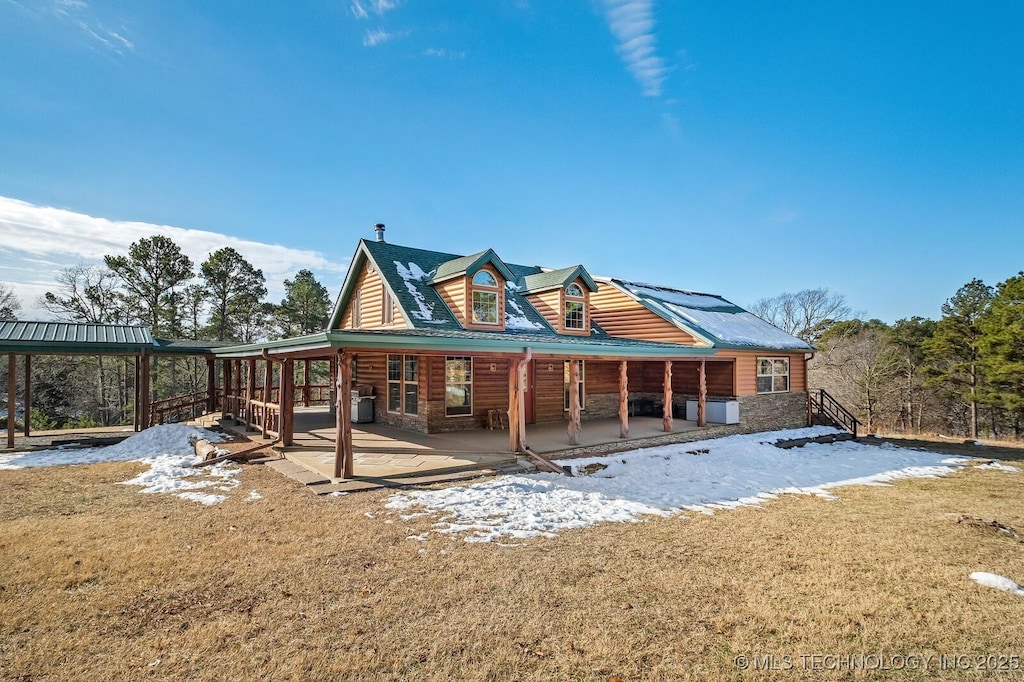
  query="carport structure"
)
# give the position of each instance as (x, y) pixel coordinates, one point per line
(30, 339)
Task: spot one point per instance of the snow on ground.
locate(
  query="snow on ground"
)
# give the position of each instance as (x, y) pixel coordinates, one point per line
(702, 476)
(997, 581)
(167, 451)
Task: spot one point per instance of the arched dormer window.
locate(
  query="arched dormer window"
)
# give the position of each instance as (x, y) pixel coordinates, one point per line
(575, 308)
(485, 279)
(485, 298)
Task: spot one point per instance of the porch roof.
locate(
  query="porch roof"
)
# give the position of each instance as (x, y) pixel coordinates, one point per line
(464, 341)
(77, 338)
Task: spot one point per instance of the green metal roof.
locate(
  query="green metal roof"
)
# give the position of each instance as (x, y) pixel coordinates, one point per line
(77, 338)
(466, 341)
(469, 265)
(557, 279)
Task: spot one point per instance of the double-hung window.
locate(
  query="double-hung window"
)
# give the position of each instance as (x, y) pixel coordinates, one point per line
(403, 384)
(773, 375)
(485, 298)
(575, 308)
(458, 386)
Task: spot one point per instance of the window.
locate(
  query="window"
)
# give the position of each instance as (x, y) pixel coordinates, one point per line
(412, 384)
(394, 383)
(458, 386)
(772, 375)
(575, 312)
(387, 315)
(565, 386)
(485, 298)
(357, 309)
(403, 384)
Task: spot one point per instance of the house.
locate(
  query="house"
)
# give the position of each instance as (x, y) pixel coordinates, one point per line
(438, 342)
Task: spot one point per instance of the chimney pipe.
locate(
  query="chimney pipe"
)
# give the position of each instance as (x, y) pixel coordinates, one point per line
(379, 229)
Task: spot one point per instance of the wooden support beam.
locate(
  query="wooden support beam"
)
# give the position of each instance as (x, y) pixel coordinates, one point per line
(286, 397)
(305, 382)
(702, 394)
(28, 395)
(12, 387)
(575, 428)
(211, 385)
(344, 460)
(138, 395)
(515, 443)
(268, 385)
(225, 385)
(250, 391)
(144, 375)
(666, 419)
(623, 401)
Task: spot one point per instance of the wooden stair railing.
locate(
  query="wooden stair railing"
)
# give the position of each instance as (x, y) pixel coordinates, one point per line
(823, 406)
(172, 409)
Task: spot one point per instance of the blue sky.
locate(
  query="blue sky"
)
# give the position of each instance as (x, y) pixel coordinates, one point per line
(745, 149)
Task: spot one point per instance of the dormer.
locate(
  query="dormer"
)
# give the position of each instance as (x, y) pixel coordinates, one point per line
(473, 287)
(563, 298)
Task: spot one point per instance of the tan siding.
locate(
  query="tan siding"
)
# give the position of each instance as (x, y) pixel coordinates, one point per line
(453, 293)
(490, 388)
(601, 376)
(719, 378)
(548, 391)
(622, 316)
(371, 295)
(746, 370)
(547, 304)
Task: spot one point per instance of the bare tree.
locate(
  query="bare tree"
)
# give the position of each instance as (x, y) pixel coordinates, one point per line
(86, 293)
(806, 313)
(9, 303)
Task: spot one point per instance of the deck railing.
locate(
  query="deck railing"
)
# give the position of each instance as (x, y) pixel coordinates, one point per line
(824, 408)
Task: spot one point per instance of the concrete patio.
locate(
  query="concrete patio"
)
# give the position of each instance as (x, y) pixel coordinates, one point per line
(386, 456)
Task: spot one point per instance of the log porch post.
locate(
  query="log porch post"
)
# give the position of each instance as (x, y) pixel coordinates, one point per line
(225, 366)
(236, 409)
(250, 391)
(211, 384)
(343, 455)
(574, 428)
(268, 385)
(702, 393)
(138, 396)
(28, 395)
(144, 417)
(305, 381)
(12, 386)
(666, 419)
(287, 398)
(623, 401)
(515, 444)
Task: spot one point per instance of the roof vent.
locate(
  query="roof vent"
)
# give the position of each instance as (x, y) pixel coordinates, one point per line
(379, 229)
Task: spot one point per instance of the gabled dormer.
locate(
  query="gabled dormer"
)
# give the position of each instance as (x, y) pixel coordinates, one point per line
(473, 288)
(368, 299)
(563, 298)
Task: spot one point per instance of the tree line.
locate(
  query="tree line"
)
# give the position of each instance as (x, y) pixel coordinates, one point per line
(157, 285)
(962, 374)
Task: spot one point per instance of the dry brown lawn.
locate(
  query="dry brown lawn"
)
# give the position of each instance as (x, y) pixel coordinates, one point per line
(99, 582)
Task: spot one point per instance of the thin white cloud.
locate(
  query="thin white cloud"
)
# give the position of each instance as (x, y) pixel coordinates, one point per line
(65, 238)
(443, 53)
(362, 9)
(372, 38)
(77, 13)
(632, 24)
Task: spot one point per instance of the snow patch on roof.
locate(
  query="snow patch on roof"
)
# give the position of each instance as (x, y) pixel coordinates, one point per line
(515, 316)
(412, 274)
(740, 328)
(687, 299)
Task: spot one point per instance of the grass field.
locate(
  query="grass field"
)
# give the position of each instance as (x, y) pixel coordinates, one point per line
(99, 582)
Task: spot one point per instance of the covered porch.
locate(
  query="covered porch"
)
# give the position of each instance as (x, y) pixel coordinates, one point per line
(387, 456)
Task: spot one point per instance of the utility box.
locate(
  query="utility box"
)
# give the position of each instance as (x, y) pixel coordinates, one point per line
(717, 411)
(362, 405)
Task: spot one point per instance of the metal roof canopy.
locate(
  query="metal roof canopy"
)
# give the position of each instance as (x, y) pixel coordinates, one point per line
(79, 338)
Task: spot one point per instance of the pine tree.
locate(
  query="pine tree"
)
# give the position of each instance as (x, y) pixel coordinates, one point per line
(1002, 347)
(151, 273)
(235, 290)
(953, 350)
(305, 307)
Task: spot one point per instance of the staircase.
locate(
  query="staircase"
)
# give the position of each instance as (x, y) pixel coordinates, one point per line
(824, 409)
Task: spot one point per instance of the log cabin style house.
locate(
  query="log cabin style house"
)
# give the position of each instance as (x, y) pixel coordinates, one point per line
(447, 342)
(433, 342)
